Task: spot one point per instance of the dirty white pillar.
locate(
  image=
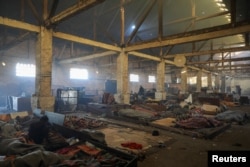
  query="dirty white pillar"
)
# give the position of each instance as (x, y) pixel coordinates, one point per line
(217, 83)
(184, 80)
(223, 84)
(198, 82)
(160, 93)
(209, 81)
(43, 98)
(123, 94)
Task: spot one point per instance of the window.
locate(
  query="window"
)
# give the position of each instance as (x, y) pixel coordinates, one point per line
(25, 70)
(151, 79)
(78, 73)
(134, 78)
(178, 80)
(192, 80)
(204, 81)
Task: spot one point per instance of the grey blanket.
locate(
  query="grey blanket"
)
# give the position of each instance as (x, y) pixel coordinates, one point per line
(27, 155)
(15, 147)
(233, 116)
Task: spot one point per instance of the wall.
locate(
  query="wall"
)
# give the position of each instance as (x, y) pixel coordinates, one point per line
(95, 81)
(12, 85)
(60, 78)
(243, 83)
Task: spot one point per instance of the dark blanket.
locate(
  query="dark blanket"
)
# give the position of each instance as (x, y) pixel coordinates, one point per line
(14, 146)
(233, 116)
(198, 122)
(27, 155)
(38, 158)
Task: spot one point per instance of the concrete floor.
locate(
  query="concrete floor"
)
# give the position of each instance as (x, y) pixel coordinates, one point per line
(192, 152)
(187, 151)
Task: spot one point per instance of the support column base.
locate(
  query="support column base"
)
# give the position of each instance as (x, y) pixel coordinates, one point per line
(122, 99)
(48, 103)
(160, 95)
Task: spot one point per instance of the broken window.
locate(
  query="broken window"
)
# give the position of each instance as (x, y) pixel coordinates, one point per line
(134, 78)
(78, 73)
(151, 79)
(192, 80)
(25, 70)
(204, 82)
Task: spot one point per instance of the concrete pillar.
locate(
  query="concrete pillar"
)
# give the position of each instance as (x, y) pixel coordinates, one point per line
(123, 94)
(217, 83)
(198, 82)
(209, 81)
(223, 84)
(160, 93)
(184, 80)
(43, 98)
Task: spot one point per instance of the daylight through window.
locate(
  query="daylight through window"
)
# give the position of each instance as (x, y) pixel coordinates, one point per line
(78, 73)
(25, 70)
(151, 79)
(134, 78)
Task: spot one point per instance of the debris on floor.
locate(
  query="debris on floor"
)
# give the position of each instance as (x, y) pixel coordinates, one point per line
(58, 150)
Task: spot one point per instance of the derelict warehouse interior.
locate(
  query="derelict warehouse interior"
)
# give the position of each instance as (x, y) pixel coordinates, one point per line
(123, 82)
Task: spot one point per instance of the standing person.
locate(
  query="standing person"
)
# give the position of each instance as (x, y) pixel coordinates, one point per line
(141, 94)
(141, 91)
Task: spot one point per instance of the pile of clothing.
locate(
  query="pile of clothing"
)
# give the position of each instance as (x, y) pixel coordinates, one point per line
(19, 149)
(79, 123)
(239, 117)
(108, 98)
(198, 123)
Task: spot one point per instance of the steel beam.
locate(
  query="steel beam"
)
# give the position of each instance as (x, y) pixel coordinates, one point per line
(138, 25)
(207, 52)
(146, 56)
(83, 58)
(85, 41)
(80, 6)
(34, 11)
(19, 24)
(158, 59)
(122, 13)
(220, 61)
(14, 42)
(192, 37)
(53, 8)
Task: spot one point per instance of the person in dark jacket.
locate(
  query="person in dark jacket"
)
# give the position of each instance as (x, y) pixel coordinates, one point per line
(39, 131)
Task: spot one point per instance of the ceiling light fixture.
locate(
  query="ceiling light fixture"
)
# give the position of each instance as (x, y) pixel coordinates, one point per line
(3, 63)
(183, 72)
(223, 9)
(219, 4)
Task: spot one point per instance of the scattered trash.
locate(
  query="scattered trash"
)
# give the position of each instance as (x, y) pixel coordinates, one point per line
(155, 133)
